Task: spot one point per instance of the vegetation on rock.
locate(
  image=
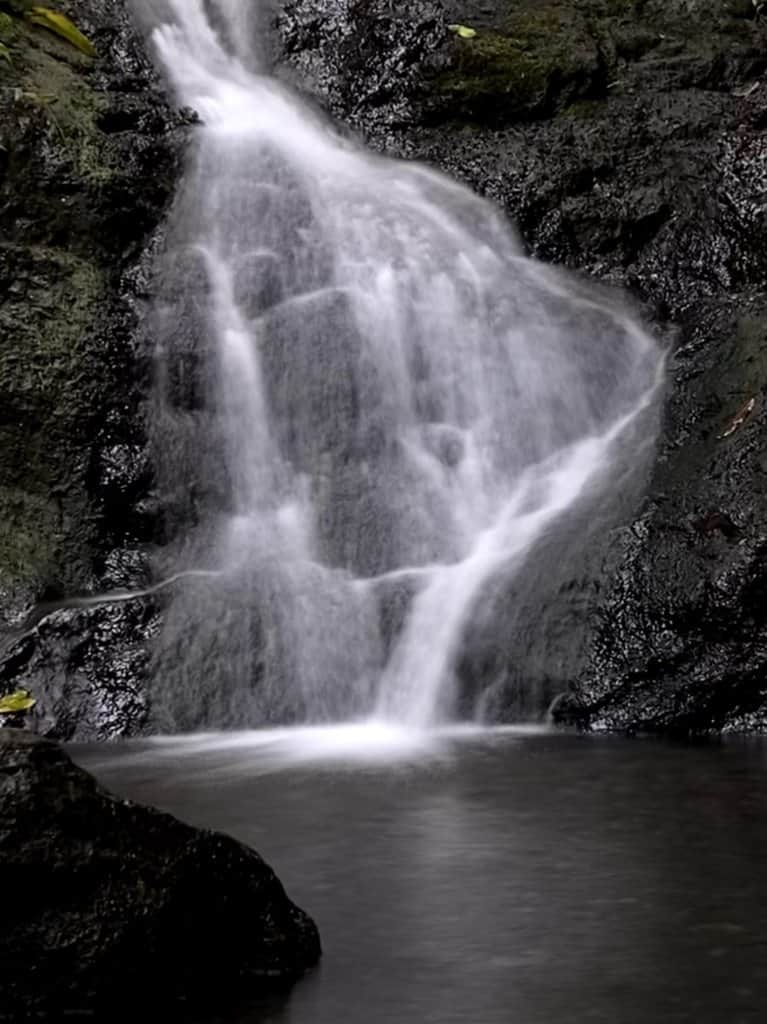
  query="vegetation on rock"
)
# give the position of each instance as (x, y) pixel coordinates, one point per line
(14, 703)
(54, 21)
(88, 162)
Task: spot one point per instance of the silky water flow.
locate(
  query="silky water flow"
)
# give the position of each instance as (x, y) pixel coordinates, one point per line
(386, 433)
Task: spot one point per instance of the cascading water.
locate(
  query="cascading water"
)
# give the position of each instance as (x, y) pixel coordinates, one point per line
(389, 407)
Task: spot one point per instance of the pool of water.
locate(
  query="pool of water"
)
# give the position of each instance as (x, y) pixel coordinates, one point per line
(502, 877)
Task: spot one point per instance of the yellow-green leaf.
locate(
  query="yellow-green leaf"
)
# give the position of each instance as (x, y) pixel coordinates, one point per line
(5, 53)
(463, 31)
(62, 26)
(22, 700)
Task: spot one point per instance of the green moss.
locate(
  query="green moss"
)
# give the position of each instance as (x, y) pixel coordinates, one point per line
(75, 209)
(52, 77)
(7, 36)
(7, 28)
(537, 58)
(50, 381)
(23, 12)
(27, 537)
(492, 64)
(49, 320)
(543, 58)
(73, 109)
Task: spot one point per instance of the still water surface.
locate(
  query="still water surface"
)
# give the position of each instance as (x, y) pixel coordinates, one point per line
(493, 878)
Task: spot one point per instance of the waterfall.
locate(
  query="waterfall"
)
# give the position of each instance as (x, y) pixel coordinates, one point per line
(372, 408)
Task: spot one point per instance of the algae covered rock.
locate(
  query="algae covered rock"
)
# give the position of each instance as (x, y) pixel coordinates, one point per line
(116, 909)
(88, 159)
(388, 65)
(542, 58)
(89, 156)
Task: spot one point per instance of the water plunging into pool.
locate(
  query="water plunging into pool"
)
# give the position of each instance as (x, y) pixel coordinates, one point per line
(375, 410)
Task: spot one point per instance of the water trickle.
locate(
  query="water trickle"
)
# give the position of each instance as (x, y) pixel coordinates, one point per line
(391, 406)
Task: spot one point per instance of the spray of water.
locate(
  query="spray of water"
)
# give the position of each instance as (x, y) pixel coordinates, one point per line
(396, 405)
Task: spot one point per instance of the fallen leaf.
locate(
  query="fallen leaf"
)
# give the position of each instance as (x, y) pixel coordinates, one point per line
(739, 419)
(62, 26)
(12, 703)
(463, 31)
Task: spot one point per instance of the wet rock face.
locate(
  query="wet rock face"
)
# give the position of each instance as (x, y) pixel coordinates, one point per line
(89, 156)
(365, 60)
(113, 901)
(628, 140)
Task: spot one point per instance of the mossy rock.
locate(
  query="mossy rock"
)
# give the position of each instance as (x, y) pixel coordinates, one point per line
(51, 384)
(533, 59)
(86, 171)
(8, 28)
(53, 287)
(544, 60)
(7, 37)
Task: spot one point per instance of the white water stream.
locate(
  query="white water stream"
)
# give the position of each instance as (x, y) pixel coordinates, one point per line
(397, 405)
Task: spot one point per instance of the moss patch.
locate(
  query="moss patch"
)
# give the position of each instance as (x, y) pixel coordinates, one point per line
(54, 294)
(542, 60)
(7, 28)
(50, 384)
(27, 536)
(536, 58)
(51, 78)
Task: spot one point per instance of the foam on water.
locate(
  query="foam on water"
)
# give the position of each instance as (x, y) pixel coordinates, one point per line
(372, 743)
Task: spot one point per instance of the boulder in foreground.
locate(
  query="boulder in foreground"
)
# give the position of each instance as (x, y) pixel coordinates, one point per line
(111, 908)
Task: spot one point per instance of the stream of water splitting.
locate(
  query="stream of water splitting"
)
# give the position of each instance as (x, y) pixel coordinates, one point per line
(397, 409)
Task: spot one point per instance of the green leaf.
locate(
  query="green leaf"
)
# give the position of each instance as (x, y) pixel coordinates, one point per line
(62, 26)
(22, 700)
(5, 53)
(463, 31)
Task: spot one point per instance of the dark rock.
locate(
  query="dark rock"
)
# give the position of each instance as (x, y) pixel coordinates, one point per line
(365, 60)
(87, 668)
(716, 522)
(112, 910)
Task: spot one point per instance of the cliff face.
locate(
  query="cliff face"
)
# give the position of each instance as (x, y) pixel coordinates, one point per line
(627, 139)
(89, 155)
